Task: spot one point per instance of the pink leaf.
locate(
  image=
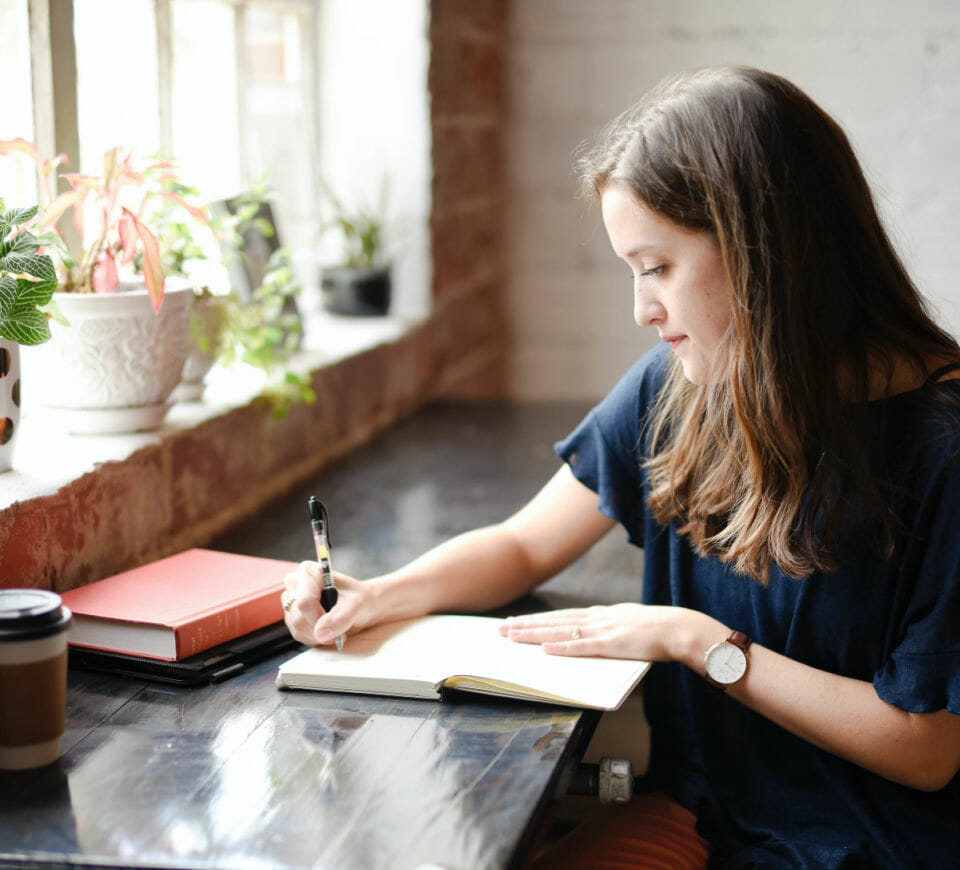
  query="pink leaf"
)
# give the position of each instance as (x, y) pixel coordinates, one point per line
(78, 181)
(198, 214)
(110, 165)
(152, 270)
(53, 212)
(12, 146)
(126, 228)
(52, 163)
(105, 278)
(45, 168)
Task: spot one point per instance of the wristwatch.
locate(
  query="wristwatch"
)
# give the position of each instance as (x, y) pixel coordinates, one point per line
(727, 661)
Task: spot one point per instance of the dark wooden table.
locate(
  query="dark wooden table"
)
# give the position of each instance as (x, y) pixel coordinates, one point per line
(240, 775)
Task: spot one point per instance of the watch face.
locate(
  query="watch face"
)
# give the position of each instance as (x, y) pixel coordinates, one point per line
(726, 663)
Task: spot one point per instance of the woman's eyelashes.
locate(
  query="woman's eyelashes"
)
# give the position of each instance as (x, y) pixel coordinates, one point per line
(653, 272)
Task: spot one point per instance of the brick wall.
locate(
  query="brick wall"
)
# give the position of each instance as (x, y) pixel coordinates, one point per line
(466, 80)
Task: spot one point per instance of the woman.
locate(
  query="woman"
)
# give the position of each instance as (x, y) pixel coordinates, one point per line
(789, 459)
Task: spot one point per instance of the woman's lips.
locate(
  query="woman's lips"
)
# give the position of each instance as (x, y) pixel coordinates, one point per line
(673, 340)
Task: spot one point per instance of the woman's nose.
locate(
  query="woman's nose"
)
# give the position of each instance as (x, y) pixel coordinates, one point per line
(646, 310)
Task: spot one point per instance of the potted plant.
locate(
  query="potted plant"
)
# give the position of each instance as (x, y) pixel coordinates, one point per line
(264, 332)
(261, 333)
(114, 367)
(359, 284)
(27, 282)
(186, 246)
(252, 326)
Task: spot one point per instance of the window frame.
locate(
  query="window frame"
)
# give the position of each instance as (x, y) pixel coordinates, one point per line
(54, 75)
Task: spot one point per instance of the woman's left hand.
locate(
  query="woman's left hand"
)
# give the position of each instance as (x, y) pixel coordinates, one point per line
(624, 631)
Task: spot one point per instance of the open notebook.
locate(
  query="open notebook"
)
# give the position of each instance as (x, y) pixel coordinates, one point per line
(419, 658)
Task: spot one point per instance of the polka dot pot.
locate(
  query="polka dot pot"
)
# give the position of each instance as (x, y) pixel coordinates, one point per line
(9, 401)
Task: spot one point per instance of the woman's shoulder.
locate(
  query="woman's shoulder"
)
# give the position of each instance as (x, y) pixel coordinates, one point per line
(933, 408)
(618, 419)
(641, 383)
(921, 431)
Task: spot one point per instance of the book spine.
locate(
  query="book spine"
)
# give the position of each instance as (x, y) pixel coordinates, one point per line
(229, 623)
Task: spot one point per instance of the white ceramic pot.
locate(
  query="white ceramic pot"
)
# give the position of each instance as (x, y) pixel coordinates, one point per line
(207, 317)
(114, 367)
(9, 401)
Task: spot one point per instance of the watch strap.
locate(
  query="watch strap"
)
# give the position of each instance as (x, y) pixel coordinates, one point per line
(738, 638)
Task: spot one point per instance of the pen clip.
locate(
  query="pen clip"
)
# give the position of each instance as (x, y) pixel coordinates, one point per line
(324, 517)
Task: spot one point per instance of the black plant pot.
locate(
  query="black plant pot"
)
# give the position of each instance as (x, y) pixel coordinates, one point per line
(364, 292)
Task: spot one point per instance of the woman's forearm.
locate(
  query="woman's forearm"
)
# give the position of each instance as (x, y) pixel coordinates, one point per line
(494, 565)
(478, 570)
(845, 716)
(842, 715)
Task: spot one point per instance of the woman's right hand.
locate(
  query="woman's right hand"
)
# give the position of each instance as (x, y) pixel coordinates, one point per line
(308, 622)
(475, 571)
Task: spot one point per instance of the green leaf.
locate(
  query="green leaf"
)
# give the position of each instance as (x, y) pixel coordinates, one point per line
(54, 242)
(35, 292)
(21, 298)
(20, 321)
(40, 267)
(28, 328)
(24, 242)
(53, 312)
(18, 216)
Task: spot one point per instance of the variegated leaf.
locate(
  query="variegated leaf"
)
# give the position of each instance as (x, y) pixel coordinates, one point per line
(20, 321)
(34, 330)
(18, 216)
(24, 242)
(35, 293)
(40, 267)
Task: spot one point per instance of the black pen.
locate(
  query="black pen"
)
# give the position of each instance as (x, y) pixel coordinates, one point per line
(321, 540)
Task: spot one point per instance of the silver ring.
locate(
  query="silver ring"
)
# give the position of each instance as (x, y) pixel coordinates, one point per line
(576, 632)
(288, 603)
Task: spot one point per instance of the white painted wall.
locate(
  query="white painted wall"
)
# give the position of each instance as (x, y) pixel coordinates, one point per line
(889, 72)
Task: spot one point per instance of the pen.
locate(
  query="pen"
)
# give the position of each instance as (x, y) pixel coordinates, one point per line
(321, 539)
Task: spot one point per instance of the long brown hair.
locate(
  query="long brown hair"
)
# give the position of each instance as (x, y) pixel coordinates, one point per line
(760, 464)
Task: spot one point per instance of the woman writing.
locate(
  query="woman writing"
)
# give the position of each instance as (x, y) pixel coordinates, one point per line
(789, 459)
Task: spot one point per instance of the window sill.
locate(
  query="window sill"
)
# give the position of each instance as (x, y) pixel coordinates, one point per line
(46, 459)
(78, 507)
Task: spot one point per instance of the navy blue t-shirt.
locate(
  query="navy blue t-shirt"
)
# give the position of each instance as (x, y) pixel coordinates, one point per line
(762, 796)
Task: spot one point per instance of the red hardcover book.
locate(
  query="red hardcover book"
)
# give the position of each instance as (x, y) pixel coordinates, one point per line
(178, 606)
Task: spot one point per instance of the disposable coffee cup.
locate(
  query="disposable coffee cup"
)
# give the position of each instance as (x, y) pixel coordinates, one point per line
(33, 677)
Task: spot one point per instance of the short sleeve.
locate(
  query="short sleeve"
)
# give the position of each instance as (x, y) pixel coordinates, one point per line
(605, 451)
(922, 673)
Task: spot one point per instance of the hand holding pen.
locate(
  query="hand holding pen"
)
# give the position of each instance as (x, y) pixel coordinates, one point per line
(320, 525)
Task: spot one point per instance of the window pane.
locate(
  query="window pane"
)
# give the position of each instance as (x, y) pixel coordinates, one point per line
(277, 101)
(116, 78)
(17, 179)
(205, 116)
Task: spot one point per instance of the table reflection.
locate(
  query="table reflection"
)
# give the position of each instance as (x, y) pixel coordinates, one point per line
(242, 775)
(36, 811)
